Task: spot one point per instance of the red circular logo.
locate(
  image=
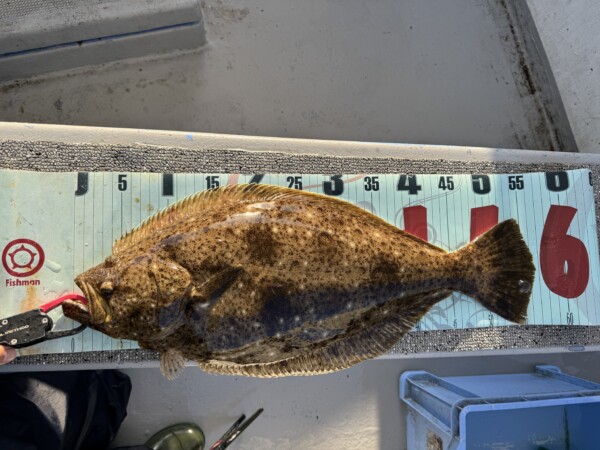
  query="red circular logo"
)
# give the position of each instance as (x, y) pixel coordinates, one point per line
(22, 257)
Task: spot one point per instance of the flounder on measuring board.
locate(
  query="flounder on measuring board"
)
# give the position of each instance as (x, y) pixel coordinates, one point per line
(267, 281)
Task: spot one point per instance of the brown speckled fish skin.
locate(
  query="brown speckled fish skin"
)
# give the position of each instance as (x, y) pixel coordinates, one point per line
(267, 281)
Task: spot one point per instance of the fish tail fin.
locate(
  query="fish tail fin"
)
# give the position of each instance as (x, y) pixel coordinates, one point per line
(499, 271)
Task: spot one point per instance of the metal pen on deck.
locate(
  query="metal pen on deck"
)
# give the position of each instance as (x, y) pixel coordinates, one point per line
(235, 430)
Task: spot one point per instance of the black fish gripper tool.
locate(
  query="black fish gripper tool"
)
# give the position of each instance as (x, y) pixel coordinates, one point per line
(32, 327)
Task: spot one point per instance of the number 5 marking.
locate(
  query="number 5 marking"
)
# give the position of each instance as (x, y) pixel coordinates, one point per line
(564, 260)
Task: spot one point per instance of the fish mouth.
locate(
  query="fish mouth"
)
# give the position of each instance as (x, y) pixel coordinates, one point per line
(77, 311)
(94, 313)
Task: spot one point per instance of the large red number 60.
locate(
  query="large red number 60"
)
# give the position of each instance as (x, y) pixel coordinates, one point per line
(564, 260)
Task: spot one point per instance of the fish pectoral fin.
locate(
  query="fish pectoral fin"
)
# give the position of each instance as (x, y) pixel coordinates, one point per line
(364, 342)
(209, 292)
(171, 364)
(175, 315)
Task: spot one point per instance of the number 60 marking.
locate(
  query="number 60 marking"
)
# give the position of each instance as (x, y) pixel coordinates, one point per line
(564, 260)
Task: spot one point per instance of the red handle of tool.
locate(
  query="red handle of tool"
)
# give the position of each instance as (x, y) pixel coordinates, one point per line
(54, 303)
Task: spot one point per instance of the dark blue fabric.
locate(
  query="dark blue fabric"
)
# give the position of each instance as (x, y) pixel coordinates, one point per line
(80, 410)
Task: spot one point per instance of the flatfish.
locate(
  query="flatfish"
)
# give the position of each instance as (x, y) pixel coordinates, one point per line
(266, 281)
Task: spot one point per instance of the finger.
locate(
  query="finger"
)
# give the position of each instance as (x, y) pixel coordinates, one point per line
(7, 354)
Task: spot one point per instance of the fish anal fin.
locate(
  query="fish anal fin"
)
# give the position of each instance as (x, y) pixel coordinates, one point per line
(171, 364)
(361, 344)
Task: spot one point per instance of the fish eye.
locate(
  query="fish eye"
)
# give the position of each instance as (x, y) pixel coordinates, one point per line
(106, 288)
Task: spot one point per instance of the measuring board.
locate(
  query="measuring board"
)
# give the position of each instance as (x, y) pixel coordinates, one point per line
(57, 225)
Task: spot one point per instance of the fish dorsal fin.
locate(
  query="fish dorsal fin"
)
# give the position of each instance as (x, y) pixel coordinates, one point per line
(195, 203)
(248, 193)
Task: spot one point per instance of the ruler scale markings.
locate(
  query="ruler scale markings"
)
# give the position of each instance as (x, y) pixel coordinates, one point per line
(516, 194)
(450, 207)
(582, 198)
(107, 343)
(467, 211)
(583, 178)
(488, 316)
(425, 192)
(539, 213)
(574, 309)
(112, 239)
(121, 218)
(92, 193)
(498, 184)
(593, 249)
(583, 229)
(558, 302)
(76, 231)
(556, 296)
(73, 249)
(469, 302)
(540, 221)
(575, 224)
(545, 200)
(458, 240)
(449, 307)
(417, 201)
(535, 248)
(457, 218)
(581, 220)
(83, 237)
(442, 219)
(97, 233)
(526, 224)
(94, 341)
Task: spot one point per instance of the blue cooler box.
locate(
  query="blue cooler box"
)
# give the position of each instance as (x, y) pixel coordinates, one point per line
(546, 410)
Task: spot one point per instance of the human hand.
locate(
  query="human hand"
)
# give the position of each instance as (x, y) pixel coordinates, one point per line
(7, 354)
